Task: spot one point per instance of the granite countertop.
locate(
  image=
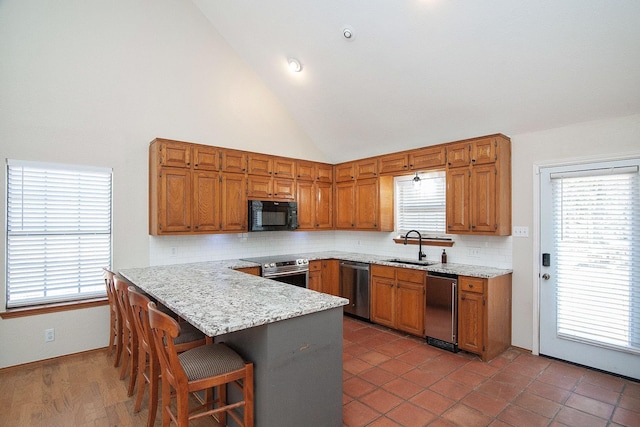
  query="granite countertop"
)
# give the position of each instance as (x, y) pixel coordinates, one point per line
(449, 268)
(217, 300)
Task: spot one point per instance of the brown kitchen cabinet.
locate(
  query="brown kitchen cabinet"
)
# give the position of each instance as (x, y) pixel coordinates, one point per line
(323, 276)
(193, 197)
(270, 188)
(479, 187)
(314, 171)
(393, 163)
(427, 158)
(398, 298)
(484, 315)
(254, 271)
(365, 204)
(315, 205)
(233, 161)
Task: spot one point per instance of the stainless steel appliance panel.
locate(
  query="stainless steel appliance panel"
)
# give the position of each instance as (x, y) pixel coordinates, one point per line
(441, 315)
(354, 285)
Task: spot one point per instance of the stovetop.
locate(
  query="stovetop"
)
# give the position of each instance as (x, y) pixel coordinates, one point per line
(278, 260)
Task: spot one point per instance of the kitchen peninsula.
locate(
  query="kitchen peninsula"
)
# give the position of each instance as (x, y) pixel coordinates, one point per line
(292, 335)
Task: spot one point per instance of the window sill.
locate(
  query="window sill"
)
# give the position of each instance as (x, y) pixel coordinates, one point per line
(35, 310)
(426, 242)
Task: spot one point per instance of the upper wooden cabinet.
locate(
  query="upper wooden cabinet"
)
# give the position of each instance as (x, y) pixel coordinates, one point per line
(427, 158)
(233, 161)
(259, 164)
(315, 205)
(314, 171)
(187, 193)
(349, 171)
(479, 186)
(365, 204)
(270, 188)
(284, 168)
(393, 163)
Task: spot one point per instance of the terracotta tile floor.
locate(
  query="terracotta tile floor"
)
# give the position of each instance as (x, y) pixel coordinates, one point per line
(391, 379)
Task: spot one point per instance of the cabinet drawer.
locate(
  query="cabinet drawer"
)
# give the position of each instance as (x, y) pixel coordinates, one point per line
(383, 271)
(410, 275)
(315, 265)
(471, 284)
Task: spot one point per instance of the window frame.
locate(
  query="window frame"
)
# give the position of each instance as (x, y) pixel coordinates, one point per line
(424, 177)
(95, 295)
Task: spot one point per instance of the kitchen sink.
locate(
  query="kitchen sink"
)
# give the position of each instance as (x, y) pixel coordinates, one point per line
(404, 261)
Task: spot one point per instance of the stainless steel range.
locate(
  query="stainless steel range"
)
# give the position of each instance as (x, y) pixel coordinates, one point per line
(284, 268)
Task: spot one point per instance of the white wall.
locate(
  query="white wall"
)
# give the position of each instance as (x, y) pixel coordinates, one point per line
(604, 139)
(93, 83)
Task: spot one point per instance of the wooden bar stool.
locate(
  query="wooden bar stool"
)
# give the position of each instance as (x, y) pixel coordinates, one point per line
(129, 335)
(115, 322)
(198, 369)
(148, 363)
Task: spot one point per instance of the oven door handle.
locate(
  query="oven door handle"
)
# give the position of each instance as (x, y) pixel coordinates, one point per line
(285, 273)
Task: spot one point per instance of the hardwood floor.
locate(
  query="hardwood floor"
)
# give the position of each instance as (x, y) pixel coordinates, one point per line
(390, 379)
(77, 390)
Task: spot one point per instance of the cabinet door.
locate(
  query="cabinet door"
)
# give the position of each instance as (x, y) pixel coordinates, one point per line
(284, 168)
(206, 158)
(259, 164)
(175, 154)
(345, 172)
(458, 154)
(260, 187)
(254, 271)
(366, 168)
(470, 322)
(206, 201)
(174, 200)
(383, 301)
(234, 161)
(458, 200)
(367, 204)
(324, 172)
(393, 163)
(234, 202)
(305, 171)
(315, 276)
(483, 199)
(306, 205)
(410, 307)
(323, 205)
(483, 151)
(345, 205)
(284, 189)
(427, 158)
(331, 277)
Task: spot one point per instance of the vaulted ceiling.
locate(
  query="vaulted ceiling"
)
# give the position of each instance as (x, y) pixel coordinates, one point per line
(423, 72)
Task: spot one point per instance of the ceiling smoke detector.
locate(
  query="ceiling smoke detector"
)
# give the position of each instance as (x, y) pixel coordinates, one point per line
(348, 33)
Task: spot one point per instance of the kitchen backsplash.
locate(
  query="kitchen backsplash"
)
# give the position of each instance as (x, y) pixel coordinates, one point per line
(474, 250)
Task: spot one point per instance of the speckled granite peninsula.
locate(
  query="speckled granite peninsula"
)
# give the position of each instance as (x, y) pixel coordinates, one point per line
(292, 335)
(218, 300)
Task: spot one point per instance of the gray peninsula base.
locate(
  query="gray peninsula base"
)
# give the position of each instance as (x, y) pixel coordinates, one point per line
(297, 368)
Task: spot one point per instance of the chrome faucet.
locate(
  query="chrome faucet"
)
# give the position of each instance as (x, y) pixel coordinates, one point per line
(420, 253)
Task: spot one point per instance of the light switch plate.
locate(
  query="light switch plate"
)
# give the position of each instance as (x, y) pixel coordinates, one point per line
(520, 231)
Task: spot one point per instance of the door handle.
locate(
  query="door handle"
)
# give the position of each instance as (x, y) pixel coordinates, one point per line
(546, 276)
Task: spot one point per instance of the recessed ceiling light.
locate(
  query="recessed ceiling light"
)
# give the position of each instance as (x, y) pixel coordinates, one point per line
(295, 65)
(348, 33)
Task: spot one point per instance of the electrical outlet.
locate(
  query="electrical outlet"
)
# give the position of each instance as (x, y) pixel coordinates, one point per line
(49, 335)
(174, 251)
(521, 231)
(474, 252)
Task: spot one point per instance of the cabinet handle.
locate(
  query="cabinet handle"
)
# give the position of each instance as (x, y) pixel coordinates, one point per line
(195, 165)
(462, 297)
(470, 286)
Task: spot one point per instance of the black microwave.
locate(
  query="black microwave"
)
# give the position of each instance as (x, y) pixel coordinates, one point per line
(266, 215)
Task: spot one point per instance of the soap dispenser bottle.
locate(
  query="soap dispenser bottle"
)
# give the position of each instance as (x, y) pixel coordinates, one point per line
(443, 257)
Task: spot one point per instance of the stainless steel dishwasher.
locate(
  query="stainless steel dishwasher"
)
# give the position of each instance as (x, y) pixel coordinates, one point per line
(441, 315)
(354, 285)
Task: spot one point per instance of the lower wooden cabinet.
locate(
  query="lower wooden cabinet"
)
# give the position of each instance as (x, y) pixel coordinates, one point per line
(398, 298)
(323, 276)
(484, 315)
(254, 271)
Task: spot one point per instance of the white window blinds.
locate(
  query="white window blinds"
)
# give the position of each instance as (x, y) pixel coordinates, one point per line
(58, 232)
(421, 206)
(597, 229)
